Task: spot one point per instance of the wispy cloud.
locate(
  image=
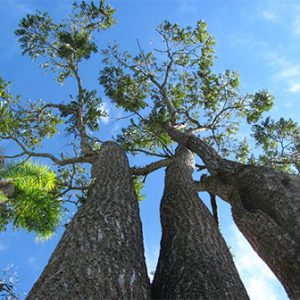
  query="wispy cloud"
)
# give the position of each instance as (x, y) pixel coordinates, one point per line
(188, 7)
(105, 107)
(269, 15)
(286, 71)
(294, 87)
(296, 25)
(34, 263)
(284, 12)
(3, 248)
(17, 9)
(151, 254)
(31, 260)
(260, 282)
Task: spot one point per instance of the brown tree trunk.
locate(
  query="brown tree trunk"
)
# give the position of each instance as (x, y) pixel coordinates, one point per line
(101, 254)
(265, 207)
(194, 261)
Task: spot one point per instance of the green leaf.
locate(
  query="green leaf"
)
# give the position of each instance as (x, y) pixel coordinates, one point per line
(34, 205)
(139, 185)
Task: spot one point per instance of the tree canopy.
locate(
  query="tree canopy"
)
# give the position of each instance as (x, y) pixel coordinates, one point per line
(174, 84)
(177, 84)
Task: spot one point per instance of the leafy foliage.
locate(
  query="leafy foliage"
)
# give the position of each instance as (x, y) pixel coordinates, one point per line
(4, 89)
(243, 153)
(60, 46)
(123, 89)
(3, 197)
(145, 135)
(177, 84)
(139, 185)
(64, 45)
(23, 121)
(280, 142)
(91, 111)
(34, 205)
(74, 181)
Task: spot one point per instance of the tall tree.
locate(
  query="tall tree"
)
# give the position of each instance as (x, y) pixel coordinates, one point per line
(101, 254)
(175, 87)
(175, 95)
(265, 207)
(194, 260)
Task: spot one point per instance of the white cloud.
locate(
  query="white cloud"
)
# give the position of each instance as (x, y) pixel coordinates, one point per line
(188, 7)
(34, 263)
(105, 107)
(3, 248)
(296, 25)
(31, 260)
(260, 282)
(286, 71)
(269, 15)
(17, 9)
(285, 13)
(151, 254)
(294, 87)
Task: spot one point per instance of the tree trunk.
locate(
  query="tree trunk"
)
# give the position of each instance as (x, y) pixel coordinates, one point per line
(101, 254)
(194, 261)
(265, 207)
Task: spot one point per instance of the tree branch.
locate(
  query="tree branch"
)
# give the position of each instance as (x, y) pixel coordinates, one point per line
(84, 145)
(215, 164)
(7, 187)
(86, 158)
(143, 171)
(60, 106)
(214, 186)
(14, 156)
(214, 207)
(147, 152)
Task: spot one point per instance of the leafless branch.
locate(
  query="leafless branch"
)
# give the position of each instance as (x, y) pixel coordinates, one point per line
(214, 207)
(86, 158)
(147, 152)
(143, 171)
(14, 156)
(214, 186)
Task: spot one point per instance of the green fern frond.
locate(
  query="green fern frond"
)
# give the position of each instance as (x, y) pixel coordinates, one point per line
(34, 205)
(31, 176)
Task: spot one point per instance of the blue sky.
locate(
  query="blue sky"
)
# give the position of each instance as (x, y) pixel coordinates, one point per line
(259, 39)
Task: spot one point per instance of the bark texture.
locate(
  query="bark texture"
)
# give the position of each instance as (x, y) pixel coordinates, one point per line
(194, 261)
(7, 187)
(101, 254)
(265, 206)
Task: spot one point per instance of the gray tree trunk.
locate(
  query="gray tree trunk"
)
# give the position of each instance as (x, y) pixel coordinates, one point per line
(101, 254)
(265, 206)
(194, 260)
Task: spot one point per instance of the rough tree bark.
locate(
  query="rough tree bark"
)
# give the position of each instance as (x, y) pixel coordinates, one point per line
(265, 206)
(194, 261)
(101, 254)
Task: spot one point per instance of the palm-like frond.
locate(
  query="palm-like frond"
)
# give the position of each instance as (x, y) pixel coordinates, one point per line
(34, 205)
